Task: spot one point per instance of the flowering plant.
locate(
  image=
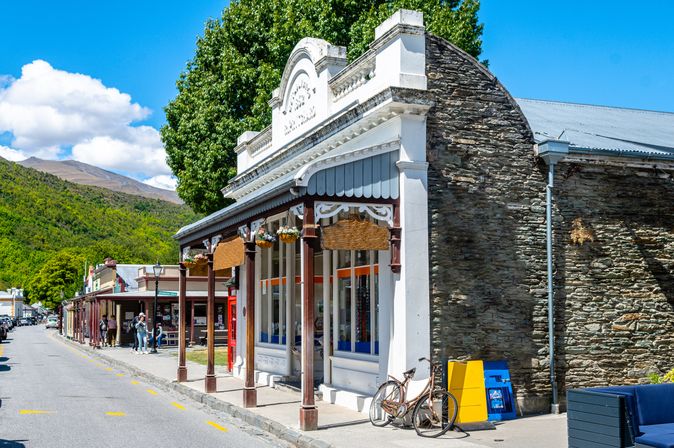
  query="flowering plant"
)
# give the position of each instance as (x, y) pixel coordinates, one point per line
(263, 235)
(264, 238)
(290, 231)
(190, 260)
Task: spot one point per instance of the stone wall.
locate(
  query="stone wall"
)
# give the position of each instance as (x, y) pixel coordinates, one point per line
(614, 295)
(487, 228)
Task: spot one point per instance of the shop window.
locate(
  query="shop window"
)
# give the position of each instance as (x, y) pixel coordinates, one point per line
(357, 275)
(272, 290)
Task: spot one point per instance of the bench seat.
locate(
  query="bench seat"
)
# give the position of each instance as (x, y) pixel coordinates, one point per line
(656, 440)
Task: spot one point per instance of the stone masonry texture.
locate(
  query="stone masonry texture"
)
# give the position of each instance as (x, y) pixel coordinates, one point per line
(486, 223)
(614, 295)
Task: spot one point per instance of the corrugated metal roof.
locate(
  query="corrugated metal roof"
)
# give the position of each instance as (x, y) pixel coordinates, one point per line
(608, 129)
(373, 177)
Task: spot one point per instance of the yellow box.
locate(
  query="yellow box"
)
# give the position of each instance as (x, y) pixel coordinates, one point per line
(466, 382)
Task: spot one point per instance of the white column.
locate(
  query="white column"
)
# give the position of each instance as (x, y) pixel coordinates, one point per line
(411, 303)
(385, 313)
(290, 304)
(239, 362)
(327, 377)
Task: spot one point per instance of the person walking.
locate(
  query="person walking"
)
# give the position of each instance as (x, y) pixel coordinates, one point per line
(134, 331)
(112, 330)
(103, 328)
(141, 326)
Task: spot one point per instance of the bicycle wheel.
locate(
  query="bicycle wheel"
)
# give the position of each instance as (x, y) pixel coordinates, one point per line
(385, 403)
(435, 416)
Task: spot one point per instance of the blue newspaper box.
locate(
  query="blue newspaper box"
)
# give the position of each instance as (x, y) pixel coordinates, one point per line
(500, 401)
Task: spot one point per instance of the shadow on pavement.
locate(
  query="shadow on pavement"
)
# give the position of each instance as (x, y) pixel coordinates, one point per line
(12, 443)
(339, 425)
(4, 368)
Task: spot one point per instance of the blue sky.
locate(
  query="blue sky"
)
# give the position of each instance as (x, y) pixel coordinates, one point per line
(601, 52)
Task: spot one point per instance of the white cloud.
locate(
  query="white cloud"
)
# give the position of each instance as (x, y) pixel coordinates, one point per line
(137, 150)
(12, 154)
(49, 111)
(162, 181)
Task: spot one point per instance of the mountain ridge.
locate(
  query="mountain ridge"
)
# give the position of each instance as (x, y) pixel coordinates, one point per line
(47, 223)
(84, 174)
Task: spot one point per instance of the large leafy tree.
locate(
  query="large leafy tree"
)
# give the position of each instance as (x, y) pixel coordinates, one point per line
(239, 61)
(57, 279)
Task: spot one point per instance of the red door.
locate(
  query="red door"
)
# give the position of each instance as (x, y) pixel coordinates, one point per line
(231, 328)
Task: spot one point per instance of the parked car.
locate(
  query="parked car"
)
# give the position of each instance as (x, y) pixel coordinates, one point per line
(52, 322)
(24, 321)
(7, 320)
(3, 331)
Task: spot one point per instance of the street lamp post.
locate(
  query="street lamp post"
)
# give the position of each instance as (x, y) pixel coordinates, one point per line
(157, 272)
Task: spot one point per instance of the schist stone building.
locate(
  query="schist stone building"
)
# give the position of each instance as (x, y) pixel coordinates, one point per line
(418, 140)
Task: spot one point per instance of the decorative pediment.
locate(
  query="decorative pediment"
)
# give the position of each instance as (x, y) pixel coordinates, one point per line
(303, 94)
(300, 105)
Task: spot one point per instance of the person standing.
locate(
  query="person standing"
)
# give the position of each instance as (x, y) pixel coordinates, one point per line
(112, 330)
(103, 328)
(141, 326)
(134, 331)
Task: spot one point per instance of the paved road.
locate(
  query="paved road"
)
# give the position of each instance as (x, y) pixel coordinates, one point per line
(52, 395)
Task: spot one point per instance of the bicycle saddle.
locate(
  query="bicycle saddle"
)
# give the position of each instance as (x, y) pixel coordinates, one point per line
(410, 373)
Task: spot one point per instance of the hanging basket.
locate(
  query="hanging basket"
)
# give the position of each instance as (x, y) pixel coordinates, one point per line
(354, 234)
(189, 264)
(264, 244)
(287, 239)
(288, 234)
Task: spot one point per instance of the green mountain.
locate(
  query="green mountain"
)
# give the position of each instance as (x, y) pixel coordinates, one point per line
(50, 228)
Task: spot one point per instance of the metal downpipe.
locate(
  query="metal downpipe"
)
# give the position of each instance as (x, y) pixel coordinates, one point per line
(551, 300)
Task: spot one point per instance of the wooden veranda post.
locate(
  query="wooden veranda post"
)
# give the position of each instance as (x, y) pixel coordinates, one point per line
(210, 328)
(182, 340)
(249, 392)
(308, 411)
(91, 323)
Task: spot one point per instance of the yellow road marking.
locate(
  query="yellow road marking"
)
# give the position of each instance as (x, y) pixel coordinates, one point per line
(34, 411)
(109, 369)
(151, 392)
(116, 414)
(134, 382)
(178, 405)
(216, 426)
(119, 374)
(2, 350)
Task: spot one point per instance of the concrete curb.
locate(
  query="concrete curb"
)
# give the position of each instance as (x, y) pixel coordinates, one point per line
(292, 436)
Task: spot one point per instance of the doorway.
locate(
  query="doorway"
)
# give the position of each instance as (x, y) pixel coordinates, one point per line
(231, 327)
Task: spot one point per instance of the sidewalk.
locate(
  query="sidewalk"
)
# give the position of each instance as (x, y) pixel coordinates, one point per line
(278, 411)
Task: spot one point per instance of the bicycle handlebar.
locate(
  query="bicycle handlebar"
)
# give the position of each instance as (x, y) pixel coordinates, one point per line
(434, 365)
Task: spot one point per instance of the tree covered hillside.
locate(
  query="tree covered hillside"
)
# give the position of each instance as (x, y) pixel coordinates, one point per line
(50, 228)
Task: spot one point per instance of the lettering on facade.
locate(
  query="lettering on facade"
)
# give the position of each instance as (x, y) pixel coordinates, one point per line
(299, 109)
